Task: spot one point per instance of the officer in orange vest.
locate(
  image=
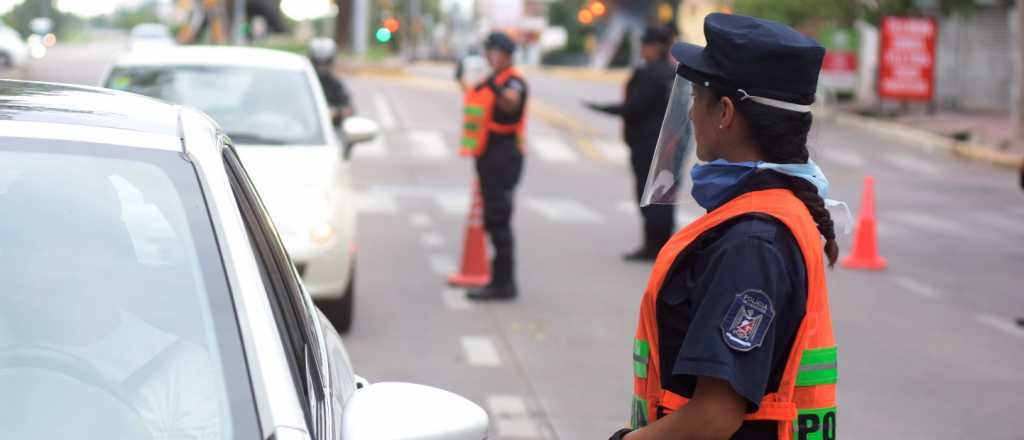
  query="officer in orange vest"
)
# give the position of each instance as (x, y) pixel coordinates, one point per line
(493, 128)
(735, 336)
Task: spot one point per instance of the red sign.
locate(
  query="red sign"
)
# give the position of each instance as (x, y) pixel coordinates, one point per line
(906, 69)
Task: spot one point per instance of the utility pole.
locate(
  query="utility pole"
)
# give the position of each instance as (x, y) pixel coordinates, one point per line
(343, 24)
(238, 22)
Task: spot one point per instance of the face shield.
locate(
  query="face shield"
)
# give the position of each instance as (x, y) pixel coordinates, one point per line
(666, 177)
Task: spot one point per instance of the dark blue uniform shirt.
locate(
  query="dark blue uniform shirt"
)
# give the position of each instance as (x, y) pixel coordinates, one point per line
(753, 258)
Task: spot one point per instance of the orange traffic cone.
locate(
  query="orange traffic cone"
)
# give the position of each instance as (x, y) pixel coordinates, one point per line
(475, 270)
(865, 240)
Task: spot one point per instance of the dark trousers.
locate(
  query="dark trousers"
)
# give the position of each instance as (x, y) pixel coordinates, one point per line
(659, 220)
(499, 170)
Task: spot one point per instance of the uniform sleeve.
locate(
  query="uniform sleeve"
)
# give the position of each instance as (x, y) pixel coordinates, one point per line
(731, 335)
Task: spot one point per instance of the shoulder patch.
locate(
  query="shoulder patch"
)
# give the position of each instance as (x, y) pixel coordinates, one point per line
(747, 321)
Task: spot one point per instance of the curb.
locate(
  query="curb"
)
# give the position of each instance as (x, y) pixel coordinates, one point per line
(928, 141)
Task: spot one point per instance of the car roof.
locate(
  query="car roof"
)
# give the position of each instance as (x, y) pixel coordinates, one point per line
(214, 56)
(67, 105)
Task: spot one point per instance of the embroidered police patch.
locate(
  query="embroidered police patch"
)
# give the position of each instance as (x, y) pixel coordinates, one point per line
(747, 321)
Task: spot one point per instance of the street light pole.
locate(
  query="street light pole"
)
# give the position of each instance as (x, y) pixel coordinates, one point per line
(239, 22)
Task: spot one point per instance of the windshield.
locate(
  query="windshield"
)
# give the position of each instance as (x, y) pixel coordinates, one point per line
(115, 318)
(254, 105)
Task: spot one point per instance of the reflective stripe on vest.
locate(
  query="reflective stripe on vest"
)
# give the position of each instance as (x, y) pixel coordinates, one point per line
(805, 402)
(478, 117)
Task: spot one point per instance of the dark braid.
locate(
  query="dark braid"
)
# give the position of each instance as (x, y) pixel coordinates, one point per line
(782, 137)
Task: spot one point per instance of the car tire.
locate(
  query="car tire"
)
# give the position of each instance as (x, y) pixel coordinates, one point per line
(339, 311)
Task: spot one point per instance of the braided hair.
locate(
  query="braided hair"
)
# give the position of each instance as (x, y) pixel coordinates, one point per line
(781, 136)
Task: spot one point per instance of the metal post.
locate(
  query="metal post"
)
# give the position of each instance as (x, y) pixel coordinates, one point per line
(238, 23)
(360, 17)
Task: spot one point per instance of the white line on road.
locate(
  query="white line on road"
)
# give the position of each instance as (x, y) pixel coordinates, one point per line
(615, 151)
(626, 206)
(374, 149)
(480, 351)
(385, 117)
(935, 223)
(552, 148)
(442, 264)
(912, 164)
(1001, 222)
(917, 288)
(375, 203)
(420, 220)
(686, 215)
(511, 419)
(432, 240)
(843, 158)
(453, 203)
(563, 210)
(455, 299)
(1003, 325)
(428, 144)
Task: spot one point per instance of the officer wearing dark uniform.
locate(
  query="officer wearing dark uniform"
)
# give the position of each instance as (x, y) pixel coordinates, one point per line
(642, 111)
(500, 166)
(322, 52)
(735, 338)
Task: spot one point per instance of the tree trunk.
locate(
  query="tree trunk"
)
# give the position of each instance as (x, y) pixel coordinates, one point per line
(343, 25)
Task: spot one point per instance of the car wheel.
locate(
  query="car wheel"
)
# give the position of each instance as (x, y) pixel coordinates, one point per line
(339, 311)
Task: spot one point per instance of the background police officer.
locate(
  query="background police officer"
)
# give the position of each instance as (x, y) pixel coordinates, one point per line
(322, 52)
(642, 111)
(735, 337)
(501, 164)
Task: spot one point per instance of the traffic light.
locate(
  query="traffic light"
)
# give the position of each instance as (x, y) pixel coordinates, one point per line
(585, 17)
(597, 8)
(392, 24)
(383, 35)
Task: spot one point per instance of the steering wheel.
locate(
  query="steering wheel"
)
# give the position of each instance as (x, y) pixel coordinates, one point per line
(69, 365)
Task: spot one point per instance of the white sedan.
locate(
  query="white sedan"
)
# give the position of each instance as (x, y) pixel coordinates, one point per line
(271, 105)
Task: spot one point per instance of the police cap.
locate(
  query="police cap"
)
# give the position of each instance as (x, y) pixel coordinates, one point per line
(761, 57)
(500, 41)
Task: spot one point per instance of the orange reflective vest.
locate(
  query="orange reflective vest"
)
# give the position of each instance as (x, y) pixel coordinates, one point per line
(478, 117)
(805, 403)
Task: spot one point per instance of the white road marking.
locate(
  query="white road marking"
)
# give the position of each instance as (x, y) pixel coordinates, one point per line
(442, 264)
(432, 240)
(552, 148)
(563, 210)
(1004, 325)
(375, 203)
(626, 206)
(511, 419)
(843, 158)
(686, 215)
(453, 203)
(428, 144)
(480, 351)
(912, 164)
(385, 117)
(615, 151)
(1005, 223)
(375, 149)
(917, 288)
(455, 299)
(420, 220)
(935, 223)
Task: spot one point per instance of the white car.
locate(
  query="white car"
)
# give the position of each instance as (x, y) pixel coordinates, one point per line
(150, 36)
(147, 295)
(272, 106)
(13, 49)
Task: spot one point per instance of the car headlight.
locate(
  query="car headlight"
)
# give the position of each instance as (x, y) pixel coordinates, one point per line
(322, 233)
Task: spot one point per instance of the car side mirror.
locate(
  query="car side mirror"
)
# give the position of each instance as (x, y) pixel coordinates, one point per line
(404, 411)
(358, 130)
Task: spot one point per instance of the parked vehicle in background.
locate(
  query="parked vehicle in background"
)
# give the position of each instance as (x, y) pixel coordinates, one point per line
(150, 36)
(273, 108)
(148, 294)
(13, 49)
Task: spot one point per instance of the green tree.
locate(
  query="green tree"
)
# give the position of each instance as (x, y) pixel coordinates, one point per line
(844, 12)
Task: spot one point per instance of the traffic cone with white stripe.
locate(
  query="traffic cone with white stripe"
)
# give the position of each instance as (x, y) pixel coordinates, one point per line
(865, 239)
(475, 270)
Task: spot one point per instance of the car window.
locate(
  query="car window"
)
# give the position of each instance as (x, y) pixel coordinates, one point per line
(254, 105)
(293, 309)
(114, 311)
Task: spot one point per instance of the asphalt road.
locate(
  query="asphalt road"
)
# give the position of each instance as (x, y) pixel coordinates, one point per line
(928, 348)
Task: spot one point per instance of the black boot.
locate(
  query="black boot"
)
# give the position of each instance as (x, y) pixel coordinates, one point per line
(491, 292)
(645, 253)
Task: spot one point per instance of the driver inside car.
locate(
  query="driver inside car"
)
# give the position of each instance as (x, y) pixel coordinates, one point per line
(67, 259)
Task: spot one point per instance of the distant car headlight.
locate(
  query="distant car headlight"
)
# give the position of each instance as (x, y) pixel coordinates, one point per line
(322, 233)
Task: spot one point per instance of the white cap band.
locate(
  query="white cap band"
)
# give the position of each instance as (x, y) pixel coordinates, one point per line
(800, 108)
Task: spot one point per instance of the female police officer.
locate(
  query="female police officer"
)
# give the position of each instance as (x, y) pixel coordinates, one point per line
(735, 337)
